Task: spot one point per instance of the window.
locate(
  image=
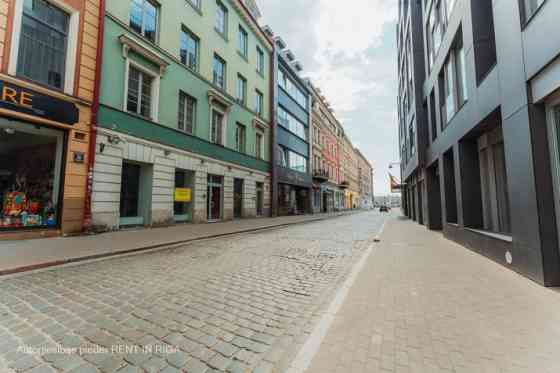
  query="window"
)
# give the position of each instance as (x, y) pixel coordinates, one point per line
(139, 94)
(531, 6)
(216, 133)
(221, 18)
(240, 138)
(460, 67)
(259, 145)
(290, 123)
(449, 89)
(189, 49)
(260, 61)
(493, 177)
(219, 72)
(43, 43)
(241, 89)
(296, 162)
(187, 113)
(292, 89)
(243, 42)
(195, 3)
(143, 19)
(259, 104)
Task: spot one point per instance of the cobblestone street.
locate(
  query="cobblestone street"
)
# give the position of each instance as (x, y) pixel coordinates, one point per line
(236, 304)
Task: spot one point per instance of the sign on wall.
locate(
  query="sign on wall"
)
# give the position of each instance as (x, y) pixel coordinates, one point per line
(183, 194)
(30, 102)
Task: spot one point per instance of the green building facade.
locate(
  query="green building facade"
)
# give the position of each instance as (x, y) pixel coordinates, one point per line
(184, 120)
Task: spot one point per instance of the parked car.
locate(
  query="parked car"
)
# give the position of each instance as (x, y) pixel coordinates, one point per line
(383, 209)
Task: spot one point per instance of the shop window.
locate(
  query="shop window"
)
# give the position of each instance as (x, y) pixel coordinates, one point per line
(30, 176)
(43, 43)
(183, 201)
(260, 198)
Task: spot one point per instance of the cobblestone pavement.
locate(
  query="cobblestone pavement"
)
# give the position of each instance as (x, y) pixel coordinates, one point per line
(236, 304)
(423, 304)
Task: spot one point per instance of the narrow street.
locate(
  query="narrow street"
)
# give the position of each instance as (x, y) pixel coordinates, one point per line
(236, 304)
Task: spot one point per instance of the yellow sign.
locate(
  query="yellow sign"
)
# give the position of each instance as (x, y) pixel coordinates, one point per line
(183, 194)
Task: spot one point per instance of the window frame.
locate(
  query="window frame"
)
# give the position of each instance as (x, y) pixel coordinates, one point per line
(186, 31)
(553, 129)
(259, 94)
(141, 33)
(223, 127)
(259, 144)
(243, 35)
(221, 6)
(224, 64)
(241, 146)
(241, 100)
(260, 61)
(71, 44)
(185, 96)
(154, 110)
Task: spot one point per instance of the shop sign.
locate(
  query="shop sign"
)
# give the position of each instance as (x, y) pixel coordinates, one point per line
(183, 194)
(27, 101)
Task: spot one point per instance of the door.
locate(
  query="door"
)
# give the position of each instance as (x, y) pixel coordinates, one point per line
(130, 192)
(215, 188)
(260, 199)
(238, 198)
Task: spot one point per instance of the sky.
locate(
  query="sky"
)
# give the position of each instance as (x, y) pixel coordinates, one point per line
(348, 49)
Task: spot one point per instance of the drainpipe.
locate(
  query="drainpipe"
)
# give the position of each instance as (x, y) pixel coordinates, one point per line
(273, 155)
(87, 220)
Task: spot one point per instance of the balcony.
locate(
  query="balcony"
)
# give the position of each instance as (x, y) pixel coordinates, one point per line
(344, 184)
(321, 176)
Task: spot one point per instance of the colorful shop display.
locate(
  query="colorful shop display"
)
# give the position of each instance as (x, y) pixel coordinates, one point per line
(27, 182)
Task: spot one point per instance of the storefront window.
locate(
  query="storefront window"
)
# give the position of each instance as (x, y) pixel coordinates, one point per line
(183, 202)
(30, 174)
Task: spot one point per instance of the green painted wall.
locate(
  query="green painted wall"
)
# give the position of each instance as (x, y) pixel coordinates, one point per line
(172, 16)
(120, 121)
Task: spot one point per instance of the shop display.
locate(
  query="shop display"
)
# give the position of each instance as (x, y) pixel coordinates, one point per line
(27, 187)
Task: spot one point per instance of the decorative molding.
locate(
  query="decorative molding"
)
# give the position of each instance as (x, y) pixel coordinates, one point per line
(129, 43)
(259, 124)
(222, 100)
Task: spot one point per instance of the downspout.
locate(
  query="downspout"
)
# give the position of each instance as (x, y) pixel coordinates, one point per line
(87, 220)
(273, 154)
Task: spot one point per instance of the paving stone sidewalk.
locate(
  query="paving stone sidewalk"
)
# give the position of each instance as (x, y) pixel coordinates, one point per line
(16, 256)
(423, 304)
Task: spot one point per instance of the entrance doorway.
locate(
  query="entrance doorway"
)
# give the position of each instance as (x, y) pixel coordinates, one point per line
(136, 185)
(238, 198)
(260, 199)
(215, 194)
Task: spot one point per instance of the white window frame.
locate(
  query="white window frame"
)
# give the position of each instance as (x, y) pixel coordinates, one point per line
(224, 124)
(259, 147)
(551, 105)
(154, 110)
(72, 42)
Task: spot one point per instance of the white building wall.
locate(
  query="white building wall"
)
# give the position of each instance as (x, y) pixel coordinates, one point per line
(164, 161)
